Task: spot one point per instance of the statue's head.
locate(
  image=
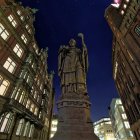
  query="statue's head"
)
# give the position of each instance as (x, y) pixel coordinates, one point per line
(72, 43)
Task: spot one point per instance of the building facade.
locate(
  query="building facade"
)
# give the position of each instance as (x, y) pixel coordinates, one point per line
(54, 124)
(103, 129)
(124, 20)
(120, 124)
(26, 88)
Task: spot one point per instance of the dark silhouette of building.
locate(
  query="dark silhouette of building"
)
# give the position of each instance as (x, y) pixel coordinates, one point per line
(26, 88)
(124, 20)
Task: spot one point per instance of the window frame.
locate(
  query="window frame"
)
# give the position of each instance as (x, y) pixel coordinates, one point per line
(11, 63)
(4, 34)
(2, 84)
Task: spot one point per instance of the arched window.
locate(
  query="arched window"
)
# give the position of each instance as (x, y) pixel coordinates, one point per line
(4, 84)
(6, 122)
(31, 131)
(20, 127)
(22, 97)
(137, 29)
(26, 129)
(17, 93)
(35, 94)
(32, 108)
(40, 115)
(36, 111)
(28, 104)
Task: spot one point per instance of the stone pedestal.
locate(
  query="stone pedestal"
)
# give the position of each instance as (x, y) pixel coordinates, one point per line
(74, 119)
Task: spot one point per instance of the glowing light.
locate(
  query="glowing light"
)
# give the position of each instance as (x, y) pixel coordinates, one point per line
(116, 5)
(117, 1)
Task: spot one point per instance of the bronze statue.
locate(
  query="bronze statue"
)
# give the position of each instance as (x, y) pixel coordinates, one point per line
(73, 67)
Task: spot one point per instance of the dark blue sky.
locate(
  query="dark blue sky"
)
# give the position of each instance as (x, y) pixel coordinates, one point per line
(59, 20)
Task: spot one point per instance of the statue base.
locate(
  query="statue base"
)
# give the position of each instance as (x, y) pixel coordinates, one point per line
(74, 121)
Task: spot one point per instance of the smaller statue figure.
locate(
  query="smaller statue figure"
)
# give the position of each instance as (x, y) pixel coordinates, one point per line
(73, 67)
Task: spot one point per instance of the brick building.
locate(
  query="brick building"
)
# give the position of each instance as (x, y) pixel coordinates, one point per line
(124, 20)
(26, 88)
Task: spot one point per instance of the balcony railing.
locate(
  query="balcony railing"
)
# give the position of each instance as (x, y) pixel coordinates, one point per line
(13, 104)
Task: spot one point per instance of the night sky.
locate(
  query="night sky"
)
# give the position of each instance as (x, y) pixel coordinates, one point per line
(59, 20)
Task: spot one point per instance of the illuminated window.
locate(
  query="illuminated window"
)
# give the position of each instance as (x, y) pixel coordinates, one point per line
(31, 131)
(126, 125)
(35, 94)
(6, 122)
(12, 20)
(20, 127)
(124, 116)
(38, 98)
(40, 115)
(24, 38)
(116, 69)
(4, 84)
(20, 14)
(137, 30)
(18, 50)
(35, 47)
(122, 12)
(17, 93)
(124, 6)
(36, 111)
(22, 97)
(28, 104)
(28, 28)
(26, 129)
(10, 65)
(3, 32)
(32, 108)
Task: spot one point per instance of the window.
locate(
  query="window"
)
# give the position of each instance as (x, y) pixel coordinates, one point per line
(116, 69)
(22, 97)
(126, 125)
(31, 131)
(24, 38)
(28, 104)
(122, 12)
(137, 29)
(38, 98)
(17, 93)
(28, 28)
(20, 14)
(20, 127)
(26, 130)
(4, 84)
(32, 108)
(124, 6)
(36, 111)
(35, 94)
(3, 32)
(12, 20)
(18, 50)
(124, 116)
(40, 115)
(10, 65)
(5, 122)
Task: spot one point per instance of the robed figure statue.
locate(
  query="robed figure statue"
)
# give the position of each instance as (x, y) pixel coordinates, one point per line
(73, 67)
